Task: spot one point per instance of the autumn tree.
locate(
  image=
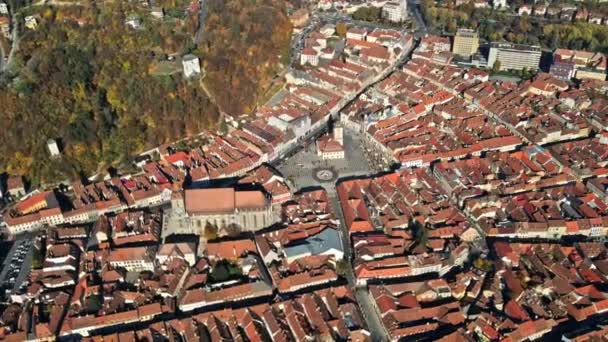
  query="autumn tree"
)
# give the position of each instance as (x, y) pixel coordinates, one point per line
(87, 84)
(341, 29)
(210, 232)
(243, 51)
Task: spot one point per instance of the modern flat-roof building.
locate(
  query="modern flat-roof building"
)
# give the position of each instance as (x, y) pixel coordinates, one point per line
(514, 56)
(466, 43)
(191, 65)
(395, 11)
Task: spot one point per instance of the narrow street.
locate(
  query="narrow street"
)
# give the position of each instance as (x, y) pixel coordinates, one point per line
(198, 37)
(15, 44)
(2, 54)
(370, 314)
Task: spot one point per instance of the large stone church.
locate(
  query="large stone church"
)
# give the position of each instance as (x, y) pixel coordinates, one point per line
(193, 210)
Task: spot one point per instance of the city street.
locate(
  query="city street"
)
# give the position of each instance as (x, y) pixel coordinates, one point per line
(198, 37)
(7, 60)
(414, 8)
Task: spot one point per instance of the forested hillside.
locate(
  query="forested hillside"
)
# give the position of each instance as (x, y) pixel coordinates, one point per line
(244, 44)
(83, 77)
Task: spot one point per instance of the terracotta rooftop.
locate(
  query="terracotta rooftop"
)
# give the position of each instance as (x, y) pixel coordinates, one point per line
(222, 200)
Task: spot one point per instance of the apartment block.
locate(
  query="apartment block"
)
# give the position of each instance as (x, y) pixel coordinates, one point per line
(466, 43)
(514, 56)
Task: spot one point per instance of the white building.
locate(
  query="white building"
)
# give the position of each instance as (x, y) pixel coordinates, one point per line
(332, 147)
(309, 56)
(133, 259)
(395, 11)
(51, 144)
(328, 30)
(191, 65)
(3, 8)
(328, 53)
(31, 22)
(339, 133)
(499, 3)
(170, 251)
(356, 33)
(325, 5)
(298, 122)
(133, 21)
(514, 56)
(157, 12)
(604, 138)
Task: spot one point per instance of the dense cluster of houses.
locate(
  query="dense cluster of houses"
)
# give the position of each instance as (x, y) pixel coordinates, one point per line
(524, 294)
(413, 247)
(433, 112)
(491, 229)
(493, 161)
(415, 236)
(402, 225)
(86, 202)
(117, 278)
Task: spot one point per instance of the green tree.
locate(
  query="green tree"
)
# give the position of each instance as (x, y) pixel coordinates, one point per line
(223, 127)
(419, 231)
(342, 267)
(243, 52)
(224, 270)
(370, 13)
(90, 87)
(94, 303)
(496, 67)
(38, 259)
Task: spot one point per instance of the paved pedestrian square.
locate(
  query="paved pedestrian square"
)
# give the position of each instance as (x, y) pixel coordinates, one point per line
(307, 169)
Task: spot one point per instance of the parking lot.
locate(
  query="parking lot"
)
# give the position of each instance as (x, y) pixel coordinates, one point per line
(300, 170)
(17, 264)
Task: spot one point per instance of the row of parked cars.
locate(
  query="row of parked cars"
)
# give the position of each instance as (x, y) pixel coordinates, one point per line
(15, 263)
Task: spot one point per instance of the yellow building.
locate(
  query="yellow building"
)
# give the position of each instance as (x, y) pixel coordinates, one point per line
(466, 43)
